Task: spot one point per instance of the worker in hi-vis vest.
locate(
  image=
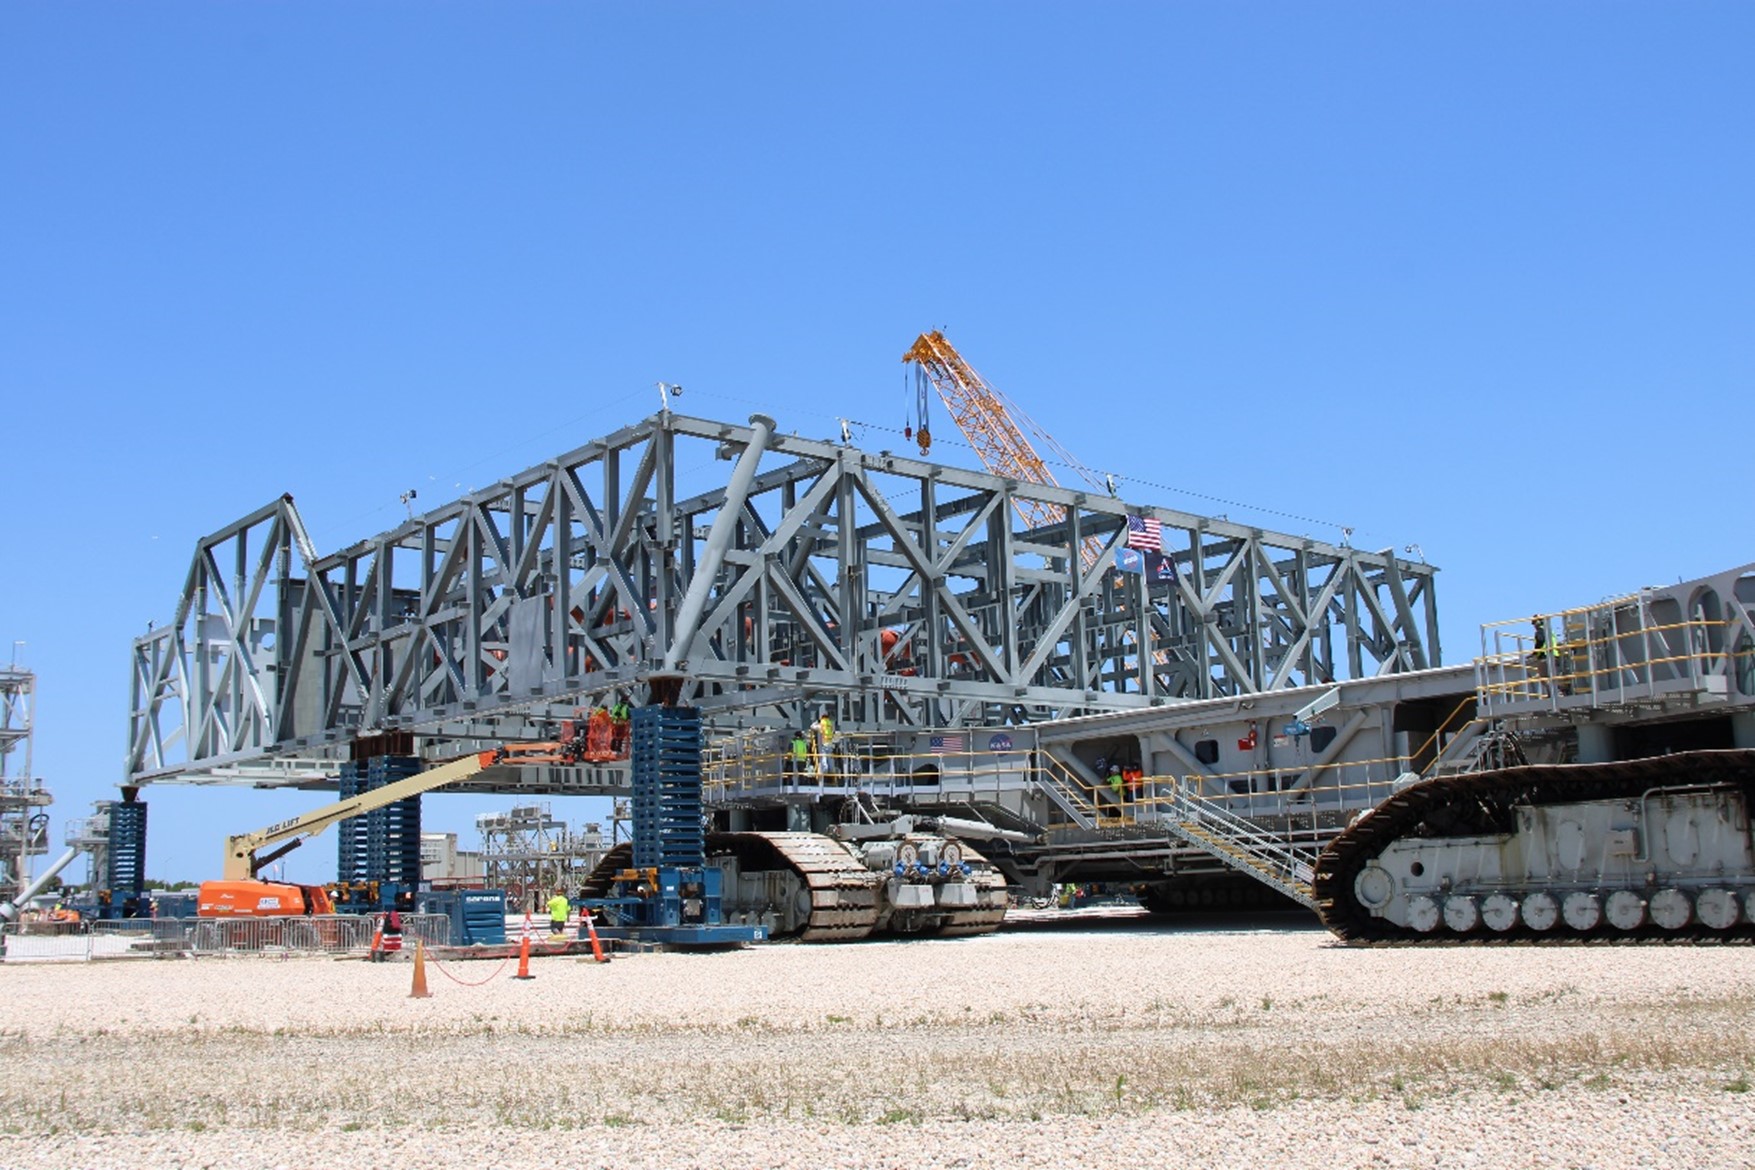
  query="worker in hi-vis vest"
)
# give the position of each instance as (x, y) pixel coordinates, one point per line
(825, 738)
(558, 908)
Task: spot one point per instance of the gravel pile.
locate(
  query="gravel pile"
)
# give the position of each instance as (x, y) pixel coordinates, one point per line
(1042, 1047)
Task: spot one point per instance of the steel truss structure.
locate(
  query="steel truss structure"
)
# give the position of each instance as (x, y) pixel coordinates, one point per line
(24, 823)
(91, 836)
(817, 577)
(527, 850)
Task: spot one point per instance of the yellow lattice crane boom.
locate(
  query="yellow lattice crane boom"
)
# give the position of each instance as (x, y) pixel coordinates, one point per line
(999, 430)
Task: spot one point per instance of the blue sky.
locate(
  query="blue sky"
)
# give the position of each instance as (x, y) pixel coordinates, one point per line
(1471, 276)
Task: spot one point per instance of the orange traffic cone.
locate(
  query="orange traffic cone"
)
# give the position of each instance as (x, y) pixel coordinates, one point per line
(596, 947)
(524, 960)
(377, 942)
(419, 990)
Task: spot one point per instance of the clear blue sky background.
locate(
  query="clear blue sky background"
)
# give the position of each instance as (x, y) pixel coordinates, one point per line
(1478, 277)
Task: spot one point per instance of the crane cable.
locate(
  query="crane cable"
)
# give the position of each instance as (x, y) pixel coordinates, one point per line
(923, 403)
(907, 421)
(1119, 478)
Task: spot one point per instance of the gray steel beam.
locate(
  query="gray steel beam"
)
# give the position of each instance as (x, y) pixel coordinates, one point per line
(719, 537)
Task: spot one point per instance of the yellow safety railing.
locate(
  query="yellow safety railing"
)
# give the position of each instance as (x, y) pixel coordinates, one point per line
(1264, 791)
(765, 758)
(1269, 791)
(852, 761)
(864, 761)
(1597, 652)
(1094, 801)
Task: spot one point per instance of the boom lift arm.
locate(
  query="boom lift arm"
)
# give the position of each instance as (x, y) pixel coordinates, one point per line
(241, 862)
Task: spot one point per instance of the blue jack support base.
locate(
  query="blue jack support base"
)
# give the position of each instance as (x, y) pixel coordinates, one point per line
(675, 907)
(685, 936)
(671, 896)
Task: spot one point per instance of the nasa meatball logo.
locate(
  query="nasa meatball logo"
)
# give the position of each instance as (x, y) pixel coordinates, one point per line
(1000, 743)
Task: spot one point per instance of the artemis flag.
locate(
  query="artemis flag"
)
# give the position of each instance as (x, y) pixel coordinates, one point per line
(1159, 566)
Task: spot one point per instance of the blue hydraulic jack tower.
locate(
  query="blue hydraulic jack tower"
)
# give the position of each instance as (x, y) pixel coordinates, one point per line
(670, 895)
(124, 891)
(378, 852)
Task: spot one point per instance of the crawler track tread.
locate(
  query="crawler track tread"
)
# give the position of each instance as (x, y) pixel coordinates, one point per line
(844, 894)
(1406, 812)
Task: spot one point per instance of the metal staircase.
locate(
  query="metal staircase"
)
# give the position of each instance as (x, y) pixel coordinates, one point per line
(1066, 791)
(1240, 844)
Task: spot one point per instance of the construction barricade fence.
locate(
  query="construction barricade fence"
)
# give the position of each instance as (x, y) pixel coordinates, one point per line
(145, 938)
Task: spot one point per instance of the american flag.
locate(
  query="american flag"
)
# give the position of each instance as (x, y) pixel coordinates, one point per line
(948, 743)
(1145, 533)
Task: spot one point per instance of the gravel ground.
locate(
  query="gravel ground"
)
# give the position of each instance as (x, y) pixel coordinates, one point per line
(1104, 1044)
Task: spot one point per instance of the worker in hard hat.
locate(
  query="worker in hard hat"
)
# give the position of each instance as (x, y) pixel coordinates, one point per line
(825, 741)
(619, 716)
(558, 909)
(1538, 662)
(599, 735)
(1135, 779)
(798, 761)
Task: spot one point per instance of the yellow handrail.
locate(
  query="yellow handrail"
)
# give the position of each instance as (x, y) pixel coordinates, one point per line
(1538, 666)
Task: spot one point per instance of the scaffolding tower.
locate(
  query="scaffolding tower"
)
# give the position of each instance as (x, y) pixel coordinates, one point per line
(24, 823)
(91, 836)
(529, 852)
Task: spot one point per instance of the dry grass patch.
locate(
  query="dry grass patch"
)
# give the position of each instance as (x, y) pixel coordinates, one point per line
(369, 1077)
